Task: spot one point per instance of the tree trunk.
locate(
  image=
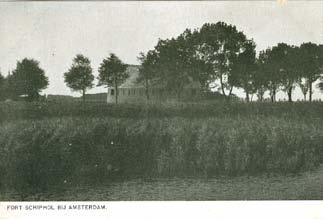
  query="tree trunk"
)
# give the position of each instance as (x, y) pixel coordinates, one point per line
(147, 89)
(260, 94)
(116, 89)
(247, 96)
(310, 90)
(289, 93)
(304, 96)
(107, 94)
(273, 95)
(261, 97)
(222, 86)
(83, 95)
(230, 92)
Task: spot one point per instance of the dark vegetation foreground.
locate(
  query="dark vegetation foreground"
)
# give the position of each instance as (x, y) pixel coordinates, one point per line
(52, 148)
(305, 186)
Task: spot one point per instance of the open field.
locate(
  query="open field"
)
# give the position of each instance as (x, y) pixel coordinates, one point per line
(216, 150)
(203, 109)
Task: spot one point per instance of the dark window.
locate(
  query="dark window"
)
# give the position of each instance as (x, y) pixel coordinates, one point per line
(112, 92)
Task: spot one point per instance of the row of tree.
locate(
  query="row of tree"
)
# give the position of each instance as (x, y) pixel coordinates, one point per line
(28, 79)
(219, 52)
(213, 53)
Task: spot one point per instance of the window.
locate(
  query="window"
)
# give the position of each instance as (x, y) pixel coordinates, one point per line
(129, 92)
(123, 92)
(112, 92)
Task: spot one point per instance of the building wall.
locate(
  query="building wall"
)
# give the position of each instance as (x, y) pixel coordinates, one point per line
(138, 94)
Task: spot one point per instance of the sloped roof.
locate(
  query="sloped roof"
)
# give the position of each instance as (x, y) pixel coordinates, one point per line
(133, 72)
(131, 81)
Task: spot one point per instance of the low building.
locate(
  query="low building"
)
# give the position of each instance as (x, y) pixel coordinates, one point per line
(134, 92)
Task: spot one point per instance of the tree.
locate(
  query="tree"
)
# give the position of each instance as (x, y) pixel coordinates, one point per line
(260, 77)
(244, 69)
(112, 72)
(28, 79)
(219, 45)
(310, 64)
(269, 64)
(172, 64)
(287, 61)
(147, 71)
(79, 77)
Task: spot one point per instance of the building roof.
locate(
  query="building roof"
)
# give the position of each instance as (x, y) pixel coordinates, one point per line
(133, 72)
(131, 81)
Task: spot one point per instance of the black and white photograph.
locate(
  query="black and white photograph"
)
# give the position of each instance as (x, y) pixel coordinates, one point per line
(161, 101)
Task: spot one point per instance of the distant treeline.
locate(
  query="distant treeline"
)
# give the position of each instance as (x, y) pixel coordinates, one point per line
(215, 55)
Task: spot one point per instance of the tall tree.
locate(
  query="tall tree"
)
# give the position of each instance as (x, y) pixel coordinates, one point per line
(112, 72)
(260, 77)
(147, 70)
(310, 64)
(79, 76)
(219, 45)
(28, 79)
(172, 64)
(287, 61)
(244, 69)
(269, 64)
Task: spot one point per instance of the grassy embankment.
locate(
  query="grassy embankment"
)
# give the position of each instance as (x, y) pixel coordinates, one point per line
(49, 145)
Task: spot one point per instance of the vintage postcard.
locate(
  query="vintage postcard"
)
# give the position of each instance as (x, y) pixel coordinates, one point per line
(161, 101)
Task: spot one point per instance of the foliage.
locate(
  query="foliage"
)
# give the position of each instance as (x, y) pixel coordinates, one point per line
(311, 63)
(79, 77)
(220, 45)
(172, 65)
(220, 52)
(28, 79)
(244, 69)
(287, 61)
(112, 72)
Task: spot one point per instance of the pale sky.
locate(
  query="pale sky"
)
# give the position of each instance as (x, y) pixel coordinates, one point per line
(54, 32)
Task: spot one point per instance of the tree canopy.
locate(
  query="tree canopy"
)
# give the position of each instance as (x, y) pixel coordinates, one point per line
(79, 77)
(112, 72)
(28, 79)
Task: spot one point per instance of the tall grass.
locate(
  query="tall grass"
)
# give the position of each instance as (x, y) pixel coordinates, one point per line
(37, 155)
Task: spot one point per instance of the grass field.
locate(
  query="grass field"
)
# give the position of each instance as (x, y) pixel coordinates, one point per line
(211, 150)
(305, 186)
